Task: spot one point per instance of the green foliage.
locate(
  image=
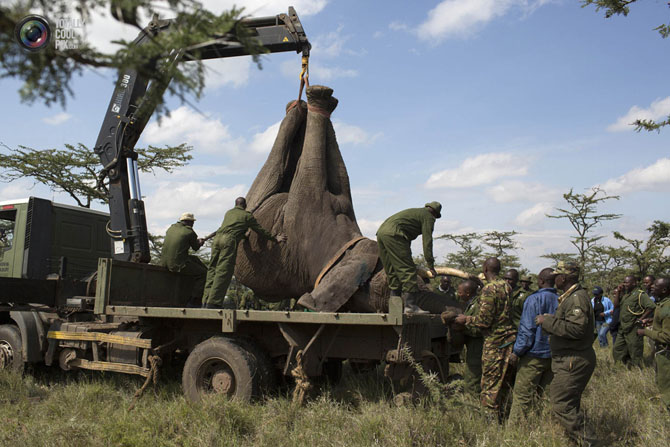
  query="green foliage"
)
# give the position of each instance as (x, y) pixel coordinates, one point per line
(648, 257)
(47, 75)
(474, 248)
(73, 170)
(582, 213)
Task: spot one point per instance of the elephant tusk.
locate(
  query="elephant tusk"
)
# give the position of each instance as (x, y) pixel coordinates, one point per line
(425, 273)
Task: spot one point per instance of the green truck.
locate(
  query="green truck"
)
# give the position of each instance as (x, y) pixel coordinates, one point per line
(77, 290)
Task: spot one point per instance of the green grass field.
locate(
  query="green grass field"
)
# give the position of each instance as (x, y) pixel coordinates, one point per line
(53, 408)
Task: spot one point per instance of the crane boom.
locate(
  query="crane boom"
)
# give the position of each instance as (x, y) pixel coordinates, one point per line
(132, 105)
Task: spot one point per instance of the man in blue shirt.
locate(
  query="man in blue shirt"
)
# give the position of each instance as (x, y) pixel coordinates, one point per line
(602, 311)
(531, 348)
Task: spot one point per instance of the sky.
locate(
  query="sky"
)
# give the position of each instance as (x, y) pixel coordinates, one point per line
(495, 108)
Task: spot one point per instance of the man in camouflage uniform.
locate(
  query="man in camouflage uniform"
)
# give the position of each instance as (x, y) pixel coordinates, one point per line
(467, 293)
(394, 238)
(235, 224)
(634, 305)
(174, 255)
(494, 322)
(572, 356)
(660, 333)
(525, 283)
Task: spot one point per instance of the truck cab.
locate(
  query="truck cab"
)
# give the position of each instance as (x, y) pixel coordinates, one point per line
(39, 237)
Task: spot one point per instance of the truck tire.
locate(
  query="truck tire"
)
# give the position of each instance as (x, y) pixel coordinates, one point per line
(219, 365)
(266, 370)
(11, 348)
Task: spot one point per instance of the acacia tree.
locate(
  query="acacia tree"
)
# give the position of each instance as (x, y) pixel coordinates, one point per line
(74, 170)
(621, 7)
(582, 213)
(502, 243)
(470, 252)
(650, 256)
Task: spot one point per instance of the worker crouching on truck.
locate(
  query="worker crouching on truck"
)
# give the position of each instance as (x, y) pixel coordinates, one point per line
(235, 224)
(178, 239)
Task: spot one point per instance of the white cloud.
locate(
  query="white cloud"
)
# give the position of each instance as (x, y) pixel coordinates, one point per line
(480, 170)
(515, 191)
(330, 45)
(460, 17)
(234, 71)
(57, 119)
(655, 177)
(262, 142)
(259, 8)
(328, 73)
(204, 199)
(369, 227)
(185, 125)
(659, 109)
(350, 134)
(534, 214)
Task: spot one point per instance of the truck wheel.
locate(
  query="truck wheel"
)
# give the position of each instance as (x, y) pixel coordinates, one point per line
(220, 366)
(266, 370)
(11, 348)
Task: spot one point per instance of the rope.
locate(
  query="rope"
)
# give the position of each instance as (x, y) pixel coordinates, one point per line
(302, 383)
(639, 304)
(304, 81)
(155, 361)
(336, 258)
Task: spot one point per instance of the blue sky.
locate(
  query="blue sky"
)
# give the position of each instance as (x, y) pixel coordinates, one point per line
(494, 108)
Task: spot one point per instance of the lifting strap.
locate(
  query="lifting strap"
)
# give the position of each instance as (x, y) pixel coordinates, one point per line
(336, 258)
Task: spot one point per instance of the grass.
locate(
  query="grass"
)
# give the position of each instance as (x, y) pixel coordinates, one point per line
(53, 408)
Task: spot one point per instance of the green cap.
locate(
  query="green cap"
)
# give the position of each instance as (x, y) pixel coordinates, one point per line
(436, 206)
(526, 279)
(566, 268)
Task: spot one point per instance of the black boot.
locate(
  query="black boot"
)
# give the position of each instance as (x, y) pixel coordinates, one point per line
(410, 303)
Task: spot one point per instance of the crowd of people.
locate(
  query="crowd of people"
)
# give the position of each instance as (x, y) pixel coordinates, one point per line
(531, 343)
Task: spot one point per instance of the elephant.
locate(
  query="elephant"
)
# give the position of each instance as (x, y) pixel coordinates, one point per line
(303, 191)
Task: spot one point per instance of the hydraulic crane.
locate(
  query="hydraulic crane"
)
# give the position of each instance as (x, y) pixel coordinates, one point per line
(133, 103)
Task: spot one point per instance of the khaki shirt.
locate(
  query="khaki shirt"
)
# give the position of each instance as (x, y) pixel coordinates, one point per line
(632, 306)
(571, 327)
(660, 331)
(409, 224)
(237, 221)
(178, 239)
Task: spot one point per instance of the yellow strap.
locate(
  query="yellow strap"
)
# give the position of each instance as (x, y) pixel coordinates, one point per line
(336, 258)
(110, 366)
(100, 336)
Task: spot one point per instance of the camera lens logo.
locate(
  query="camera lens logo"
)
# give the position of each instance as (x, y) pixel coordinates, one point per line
(33, 33)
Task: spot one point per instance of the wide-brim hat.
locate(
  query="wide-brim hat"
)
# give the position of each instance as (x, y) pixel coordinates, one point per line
(435, 206)
(187, 216)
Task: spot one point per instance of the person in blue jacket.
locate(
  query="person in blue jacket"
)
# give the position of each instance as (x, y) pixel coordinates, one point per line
(602, 311)
(531, 349)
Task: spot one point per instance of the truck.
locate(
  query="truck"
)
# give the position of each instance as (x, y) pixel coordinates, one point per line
(77, 290)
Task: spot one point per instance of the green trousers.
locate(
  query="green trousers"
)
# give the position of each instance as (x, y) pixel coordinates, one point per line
(194, 267)
(571, 375)
(396, 256)
(663, 375)
(220, 271)
(628, 348)
(473, 365)
(533, 376)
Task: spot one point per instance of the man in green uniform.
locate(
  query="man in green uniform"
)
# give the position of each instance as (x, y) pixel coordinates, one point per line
(174, 255)
(518, 296)
(494, 322)
(467, 293)
(634, 305)
(445, 289)
(235, 224)
(572, 356)
(526, 282)
(660, 333)
(394, 238)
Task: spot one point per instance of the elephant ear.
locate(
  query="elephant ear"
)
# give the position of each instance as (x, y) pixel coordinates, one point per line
(277, 173)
